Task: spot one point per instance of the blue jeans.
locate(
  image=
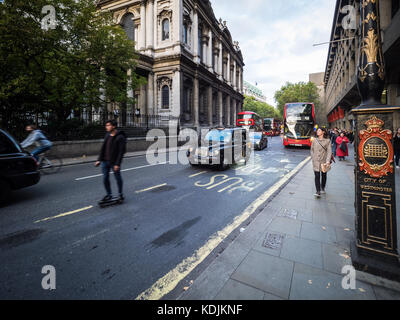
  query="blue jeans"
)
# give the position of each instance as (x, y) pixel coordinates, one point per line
(334, 147)
(106, 167)
(38, 151)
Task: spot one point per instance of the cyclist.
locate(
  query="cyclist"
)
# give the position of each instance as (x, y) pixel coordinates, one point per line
(38, 138)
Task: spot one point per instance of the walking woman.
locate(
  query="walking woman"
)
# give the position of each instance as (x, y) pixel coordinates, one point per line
(396, 147)
(339, 152)
(321, 153)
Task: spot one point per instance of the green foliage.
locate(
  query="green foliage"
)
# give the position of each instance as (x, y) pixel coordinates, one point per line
(59, 71)
(297, 92)
(264, 110)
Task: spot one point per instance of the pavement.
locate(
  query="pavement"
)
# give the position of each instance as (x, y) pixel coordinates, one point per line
(295, 248)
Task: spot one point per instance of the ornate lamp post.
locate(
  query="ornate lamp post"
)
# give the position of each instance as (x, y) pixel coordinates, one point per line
(375, 250)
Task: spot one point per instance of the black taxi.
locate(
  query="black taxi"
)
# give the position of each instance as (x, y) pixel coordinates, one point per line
(18, 169)
(221, 147)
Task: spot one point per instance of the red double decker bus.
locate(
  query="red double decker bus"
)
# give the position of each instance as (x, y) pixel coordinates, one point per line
(250, 120)
(272, 126)
(298, 122)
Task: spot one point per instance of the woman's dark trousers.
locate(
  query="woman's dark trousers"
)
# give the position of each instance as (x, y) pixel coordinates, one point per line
(318, 183)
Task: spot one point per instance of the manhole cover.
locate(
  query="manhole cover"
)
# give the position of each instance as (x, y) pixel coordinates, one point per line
(288, 213)
(273, 241)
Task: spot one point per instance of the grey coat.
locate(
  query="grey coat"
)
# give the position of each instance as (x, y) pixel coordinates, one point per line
(318, 154)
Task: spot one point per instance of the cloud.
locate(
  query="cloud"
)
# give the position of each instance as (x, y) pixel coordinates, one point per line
(277, 37)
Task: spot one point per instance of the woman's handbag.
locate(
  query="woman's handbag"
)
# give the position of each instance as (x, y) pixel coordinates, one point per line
(325, 167)
(343, 146)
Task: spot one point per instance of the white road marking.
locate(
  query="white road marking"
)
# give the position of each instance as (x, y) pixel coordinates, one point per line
(65, 214)
(151, 188)
(124, 170)
(168, 282)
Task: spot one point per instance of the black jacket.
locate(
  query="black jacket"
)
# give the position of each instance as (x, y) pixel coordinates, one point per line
(117, 149)
(396, 144)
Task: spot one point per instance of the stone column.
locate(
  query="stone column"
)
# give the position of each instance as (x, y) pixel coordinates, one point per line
(210, 105)
(220, 75)
(196, 36)
(142, 34)
(204, 42)
(234, 112)
(210, 51)
(228, 69)
(220, 107)
(150, 25)
(234, 75)
(150, 93)
(228, 110)
(196, 102)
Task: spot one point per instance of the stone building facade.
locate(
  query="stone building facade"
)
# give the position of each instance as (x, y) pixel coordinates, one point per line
(318, 80)
(194, 69)
(341, 92)
(252, 91)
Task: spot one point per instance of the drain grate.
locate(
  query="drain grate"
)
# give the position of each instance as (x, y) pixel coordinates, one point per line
(273, 241)
(288, 213)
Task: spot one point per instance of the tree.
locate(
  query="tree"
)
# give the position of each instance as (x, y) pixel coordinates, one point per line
(59, 71)
(297, 92)
(264, 110)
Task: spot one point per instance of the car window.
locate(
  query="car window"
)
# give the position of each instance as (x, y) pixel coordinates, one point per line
(6, 145)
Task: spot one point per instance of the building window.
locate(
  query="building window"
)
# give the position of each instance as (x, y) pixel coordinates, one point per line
(200, 44)
(165, 29)
(165, 97)
(129, 26)
(185, 33)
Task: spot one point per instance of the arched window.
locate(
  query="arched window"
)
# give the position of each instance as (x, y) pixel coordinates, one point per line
(165, 97)
(129, 26)
(165, 29)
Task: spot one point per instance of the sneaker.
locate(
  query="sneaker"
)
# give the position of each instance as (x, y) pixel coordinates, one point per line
(106, 198)
(121, 197)
(317, 194)
(397, 167)
(323, 191)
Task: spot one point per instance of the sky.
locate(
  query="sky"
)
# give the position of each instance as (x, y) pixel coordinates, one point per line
(277, 37)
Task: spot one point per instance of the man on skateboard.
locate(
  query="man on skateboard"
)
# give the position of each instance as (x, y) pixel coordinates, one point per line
(110, 158)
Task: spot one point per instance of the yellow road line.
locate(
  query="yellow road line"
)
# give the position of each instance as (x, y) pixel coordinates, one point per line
(168, 282)
(197, 174)
(151, 188)
(65, 214)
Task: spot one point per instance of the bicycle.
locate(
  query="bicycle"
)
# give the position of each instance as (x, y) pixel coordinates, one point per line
(49, 164)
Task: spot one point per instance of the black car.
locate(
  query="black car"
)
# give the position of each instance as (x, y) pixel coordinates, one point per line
(18, 169)
(259, 140)
(221, 147)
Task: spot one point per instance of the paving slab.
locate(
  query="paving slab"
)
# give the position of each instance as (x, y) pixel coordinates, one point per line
(315, 284)
(302, 250)
(317, 232)
(286, 226)
(335, 258)
(265, 272)
(234, 290)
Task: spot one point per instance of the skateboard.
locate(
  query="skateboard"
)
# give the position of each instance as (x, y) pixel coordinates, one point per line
(110, 202)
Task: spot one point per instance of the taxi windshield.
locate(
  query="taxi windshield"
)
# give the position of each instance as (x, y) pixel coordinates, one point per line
(217, 135)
